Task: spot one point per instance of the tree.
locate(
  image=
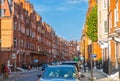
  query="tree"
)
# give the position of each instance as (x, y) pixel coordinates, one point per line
(92, 25)
(92, 31)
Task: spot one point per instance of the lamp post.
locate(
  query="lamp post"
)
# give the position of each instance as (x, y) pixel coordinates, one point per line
(91, 61)
(108, 61)
(84, 53)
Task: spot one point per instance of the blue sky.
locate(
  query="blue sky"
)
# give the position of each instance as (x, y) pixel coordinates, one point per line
(66, 17)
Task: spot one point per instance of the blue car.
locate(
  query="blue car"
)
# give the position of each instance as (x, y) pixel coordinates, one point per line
(60, 73)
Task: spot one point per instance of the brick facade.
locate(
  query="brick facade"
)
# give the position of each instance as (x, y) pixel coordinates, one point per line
(24, 34)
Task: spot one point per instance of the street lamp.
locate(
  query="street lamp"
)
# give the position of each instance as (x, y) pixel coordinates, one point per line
(14, 57)
(108, 61)
(84, 53)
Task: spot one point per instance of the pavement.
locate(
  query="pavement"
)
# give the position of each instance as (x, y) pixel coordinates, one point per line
(112, 77)
(99, 75)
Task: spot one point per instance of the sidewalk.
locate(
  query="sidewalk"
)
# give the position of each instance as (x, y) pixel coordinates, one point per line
(113, 77)
(98, 76)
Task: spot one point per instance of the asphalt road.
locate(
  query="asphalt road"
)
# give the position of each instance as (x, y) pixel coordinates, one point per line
(27, 76)
(31, 76)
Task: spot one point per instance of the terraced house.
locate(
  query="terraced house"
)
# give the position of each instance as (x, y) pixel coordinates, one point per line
(103, 32)
(114, 30)
(87, 47)
(25, 38)
(23, 34)
(108, 33)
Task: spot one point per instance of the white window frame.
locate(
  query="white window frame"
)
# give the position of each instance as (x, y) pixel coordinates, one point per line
(105, 31)
(105, 4)
(1, 1)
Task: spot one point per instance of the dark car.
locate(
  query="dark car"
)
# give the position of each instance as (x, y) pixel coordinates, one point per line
(60, 73)
(72, 63)
(44, 66)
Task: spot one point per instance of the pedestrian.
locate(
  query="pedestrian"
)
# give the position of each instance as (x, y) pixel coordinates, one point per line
(29, 67)
(6, 72)
(2, 70)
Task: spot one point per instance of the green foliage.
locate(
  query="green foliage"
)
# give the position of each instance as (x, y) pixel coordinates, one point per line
(92, 25)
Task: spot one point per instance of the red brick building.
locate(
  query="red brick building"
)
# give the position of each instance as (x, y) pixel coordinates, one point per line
(25, 38)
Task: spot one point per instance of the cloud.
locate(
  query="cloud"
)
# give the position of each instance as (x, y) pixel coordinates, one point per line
(64, 6)
(42, 8)
(76, 1)
(46, 8)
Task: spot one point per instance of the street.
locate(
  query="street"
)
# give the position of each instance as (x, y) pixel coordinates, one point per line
(25, 76)
(31, 76)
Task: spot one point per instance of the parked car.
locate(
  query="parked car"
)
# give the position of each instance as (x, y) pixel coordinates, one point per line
(60, 73)
(44, 66)
(72, 63)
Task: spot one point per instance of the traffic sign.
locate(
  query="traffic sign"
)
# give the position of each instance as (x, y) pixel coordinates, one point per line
(94, 55)
(13, 56)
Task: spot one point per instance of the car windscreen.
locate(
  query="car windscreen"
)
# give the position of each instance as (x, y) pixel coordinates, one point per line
(59, 72)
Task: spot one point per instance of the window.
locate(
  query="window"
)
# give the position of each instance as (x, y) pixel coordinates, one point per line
(1, 12)
(115, 17)
(22, 43)
(104, 4)
(1, 1)
(10, 2)
(116, 14)
(19, 28)
(27, 32)
(117, 11)
(15, 26)
(22, 28)
(15, 42)
(21, 17)
(105, 26)
(18, 42)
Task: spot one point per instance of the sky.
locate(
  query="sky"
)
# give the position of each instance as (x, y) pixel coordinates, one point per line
(66, 17)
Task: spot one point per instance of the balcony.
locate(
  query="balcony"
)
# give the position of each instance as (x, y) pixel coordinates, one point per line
(117, 30)
(115, 36)
(112, 35)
